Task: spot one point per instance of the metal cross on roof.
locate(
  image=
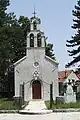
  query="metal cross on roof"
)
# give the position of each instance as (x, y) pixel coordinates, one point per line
(34, 13)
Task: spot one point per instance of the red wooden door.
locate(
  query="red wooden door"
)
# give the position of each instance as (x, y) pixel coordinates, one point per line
(36, 89)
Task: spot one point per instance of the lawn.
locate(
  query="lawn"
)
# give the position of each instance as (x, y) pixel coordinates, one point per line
(63, 106)
(6, 104)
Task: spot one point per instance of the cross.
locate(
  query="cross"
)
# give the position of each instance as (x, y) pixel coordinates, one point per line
(34, 13)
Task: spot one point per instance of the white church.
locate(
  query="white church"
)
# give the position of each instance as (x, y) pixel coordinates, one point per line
(36, 70)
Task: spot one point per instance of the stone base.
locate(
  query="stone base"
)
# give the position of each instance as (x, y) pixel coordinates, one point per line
(70, 98)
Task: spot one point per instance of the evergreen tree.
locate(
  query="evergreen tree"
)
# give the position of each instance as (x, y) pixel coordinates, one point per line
(49, 51)
(3, 15)
(74, 43)
(12, 48)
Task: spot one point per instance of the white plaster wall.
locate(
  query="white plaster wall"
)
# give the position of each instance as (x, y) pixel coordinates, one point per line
(31, 26)
(46, 73)
(22, 75)
(38, 27)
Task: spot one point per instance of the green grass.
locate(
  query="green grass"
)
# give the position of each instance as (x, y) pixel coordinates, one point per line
(6, 104)
(63, 106)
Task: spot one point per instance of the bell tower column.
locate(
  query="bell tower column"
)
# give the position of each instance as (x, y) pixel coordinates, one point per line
(43, 41)
(35, 41)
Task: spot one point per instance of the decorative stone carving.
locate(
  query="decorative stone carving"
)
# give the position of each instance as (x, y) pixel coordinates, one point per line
(35, 75)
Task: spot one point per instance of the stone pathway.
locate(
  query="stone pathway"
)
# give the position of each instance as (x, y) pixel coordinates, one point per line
(52, 116)
(35, 107)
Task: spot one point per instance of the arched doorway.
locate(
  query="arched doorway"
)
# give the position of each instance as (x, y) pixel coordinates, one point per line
(36, 89)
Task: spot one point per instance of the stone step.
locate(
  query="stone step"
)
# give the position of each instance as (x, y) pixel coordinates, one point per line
(36, 105)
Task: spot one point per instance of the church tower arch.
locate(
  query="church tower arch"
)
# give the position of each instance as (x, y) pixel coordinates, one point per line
(39, 40)
(34, 25)
(31, 40)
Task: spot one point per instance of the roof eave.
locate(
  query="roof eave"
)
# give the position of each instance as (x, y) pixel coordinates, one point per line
(52, 60)
(19, 61)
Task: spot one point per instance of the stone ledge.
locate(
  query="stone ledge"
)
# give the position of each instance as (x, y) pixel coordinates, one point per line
(9, 111)
(35, 112)
(67, 110)
(55, 110)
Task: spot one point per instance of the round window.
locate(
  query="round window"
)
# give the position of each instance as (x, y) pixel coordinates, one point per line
(36, 64)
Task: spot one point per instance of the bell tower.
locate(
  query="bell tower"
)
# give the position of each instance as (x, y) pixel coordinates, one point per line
(35, 38)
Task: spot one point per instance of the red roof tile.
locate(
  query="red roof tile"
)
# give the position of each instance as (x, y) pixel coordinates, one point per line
(62, 75)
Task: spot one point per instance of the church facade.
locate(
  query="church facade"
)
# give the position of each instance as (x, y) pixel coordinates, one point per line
(36, 70)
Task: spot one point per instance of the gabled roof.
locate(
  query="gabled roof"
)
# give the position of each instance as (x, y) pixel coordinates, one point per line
(54, 61)
(20, 60)
(62, 75)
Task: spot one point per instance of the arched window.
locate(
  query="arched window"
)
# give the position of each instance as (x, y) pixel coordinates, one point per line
(39, 40)
(31, 40)
(34, 25)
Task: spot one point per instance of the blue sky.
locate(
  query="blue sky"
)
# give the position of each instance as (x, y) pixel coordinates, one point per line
(56, 17)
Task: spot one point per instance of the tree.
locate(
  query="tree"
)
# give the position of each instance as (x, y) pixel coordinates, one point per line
(3, 21)
(12, 47)
(12, 44)
(3, 15)
(74, 43)
(49, 51)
